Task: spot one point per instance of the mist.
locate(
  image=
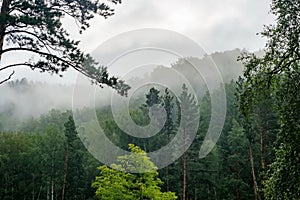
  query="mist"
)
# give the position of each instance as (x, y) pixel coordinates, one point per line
(24, 98)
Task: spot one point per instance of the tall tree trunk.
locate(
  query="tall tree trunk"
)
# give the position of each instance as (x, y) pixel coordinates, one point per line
(184, 176)
(48, 198)
(262, 143)
(262, 151)
(215, 192)
(262, 146)
(52, 175)
(4, 10)
(52, 190)
(255, 186)
(65, 173)
(38, 197)
(184, 167)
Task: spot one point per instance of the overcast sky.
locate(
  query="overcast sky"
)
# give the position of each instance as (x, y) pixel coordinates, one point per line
(216, 25)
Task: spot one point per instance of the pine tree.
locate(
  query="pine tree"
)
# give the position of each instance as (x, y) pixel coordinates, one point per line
(35, 26)
(189, 115)
(73, 172)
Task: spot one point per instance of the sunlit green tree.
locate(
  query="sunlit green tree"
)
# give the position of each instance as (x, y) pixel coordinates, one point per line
(117, 183)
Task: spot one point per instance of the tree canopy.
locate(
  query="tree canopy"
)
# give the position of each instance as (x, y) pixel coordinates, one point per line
(33, 160)
(276, 75)
(35, 26)
(117, 183)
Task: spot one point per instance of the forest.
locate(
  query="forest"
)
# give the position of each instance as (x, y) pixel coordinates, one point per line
(45, 153)
(33, 157)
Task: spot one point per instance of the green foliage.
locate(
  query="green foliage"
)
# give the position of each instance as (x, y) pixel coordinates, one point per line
(238, 161)
(75, 169)
(15, 155)
(113, 184)
(32, 163)
(284, 181)
(117, 183)
(38, 161)
(276, 76)
(189, 113)
(168, 105)
(153, 97)
(213, 177)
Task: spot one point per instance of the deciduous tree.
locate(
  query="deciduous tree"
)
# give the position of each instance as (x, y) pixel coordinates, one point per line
(117, 183)
(277, 72)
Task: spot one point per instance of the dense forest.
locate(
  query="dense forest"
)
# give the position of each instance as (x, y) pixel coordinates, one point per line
(46, 154)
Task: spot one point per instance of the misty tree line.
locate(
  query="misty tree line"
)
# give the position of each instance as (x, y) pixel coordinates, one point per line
(45, 159)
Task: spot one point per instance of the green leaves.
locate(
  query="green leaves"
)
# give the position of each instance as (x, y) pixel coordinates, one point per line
(117, 183)
(276, 76)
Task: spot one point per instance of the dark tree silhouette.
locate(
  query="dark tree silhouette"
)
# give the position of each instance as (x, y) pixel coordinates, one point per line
(35, 26)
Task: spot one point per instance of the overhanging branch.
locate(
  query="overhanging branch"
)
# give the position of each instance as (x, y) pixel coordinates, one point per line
(16, 65)
(37, 52)
(9, 77)
(47, 46)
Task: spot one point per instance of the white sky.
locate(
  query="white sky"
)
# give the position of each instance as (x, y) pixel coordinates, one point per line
(216, 25)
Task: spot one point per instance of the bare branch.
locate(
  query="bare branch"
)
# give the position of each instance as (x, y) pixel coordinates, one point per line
(9, 77)
(16, 65)
(37, 52)
(77, 68)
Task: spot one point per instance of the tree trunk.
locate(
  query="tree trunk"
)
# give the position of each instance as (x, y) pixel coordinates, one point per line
(52, 190)
(262, 146)
(184, 176)
(52, 176)
(65, 173)
(4, 10)
(184, 168)
(38, 197)
(255, 187)
(262, 143)
(48, 198)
